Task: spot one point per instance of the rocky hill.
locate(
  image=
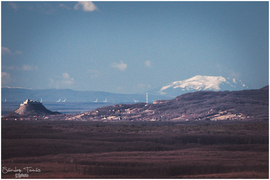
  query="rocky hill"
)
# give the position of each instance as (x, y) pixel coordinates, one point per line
(30, 108)
(201, 105)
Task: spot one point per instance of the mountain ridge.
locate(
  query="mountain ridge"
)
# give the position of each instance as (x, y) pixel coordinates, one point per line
(199, 83)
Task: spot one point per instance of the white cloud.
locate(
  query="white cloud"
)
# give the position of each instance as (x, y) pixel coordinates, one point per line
(46, 8)
(147, 63)
(86, 6)
(13, 5)
(62, 81)
(65, 75)
(28, 68)
(66, 79)
(5, 51)
(23, 68)
(64, 6)
(5, 77)
(121, 66)
(39, 7)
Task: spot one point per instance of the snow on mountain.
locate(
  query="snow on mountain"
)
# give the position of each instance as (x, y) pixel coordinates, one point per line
(202, 83)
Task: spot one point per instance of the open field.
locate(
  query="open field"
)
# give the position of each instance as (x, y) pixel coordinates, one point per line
(70, 149)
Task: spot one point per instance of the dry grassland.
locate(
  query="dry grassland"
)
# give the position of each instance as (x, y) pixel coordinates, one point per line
(66, 150)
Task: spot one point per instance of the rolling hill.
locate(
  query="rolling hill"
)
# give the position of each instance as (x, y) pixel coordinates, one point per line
(201, 105)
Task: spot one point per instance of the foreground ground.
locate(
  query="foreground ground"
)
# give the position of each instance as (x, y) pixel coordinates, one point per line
(70, 149)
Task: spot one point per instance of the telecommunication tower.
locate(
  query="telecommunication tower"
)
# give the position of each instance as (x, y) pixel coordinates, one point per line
(146, 98)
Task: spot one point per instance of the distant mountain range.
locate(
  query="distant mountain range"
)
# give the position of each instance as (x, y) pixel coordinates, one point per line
(68, 95)
(201, 83)
(169, 91)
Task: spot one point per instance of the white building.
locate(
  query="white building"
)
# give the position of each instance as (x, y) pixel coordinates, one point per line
(28, 101)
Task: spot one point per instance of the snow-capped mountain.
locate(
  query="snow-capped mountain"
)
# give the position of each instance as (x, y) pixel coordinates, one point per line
(202, 83)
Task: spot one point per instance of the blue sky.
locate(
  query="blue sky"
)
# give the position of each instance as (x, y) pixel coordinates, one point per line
(131, 47)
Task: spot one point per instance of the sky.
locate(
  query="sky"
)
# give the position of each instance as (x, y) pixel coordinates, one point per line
(131, 47)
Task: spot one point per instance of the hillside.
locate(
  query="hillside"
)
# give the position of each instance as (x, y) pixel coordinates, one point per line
(201, 105)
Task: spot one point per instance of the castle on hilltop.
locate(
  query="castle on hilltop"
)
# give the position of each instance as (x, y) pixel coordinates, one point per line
(28, 101)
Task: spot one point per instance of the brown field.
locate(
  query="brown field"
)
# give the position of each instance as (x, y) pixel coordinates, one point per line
(69, 149)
